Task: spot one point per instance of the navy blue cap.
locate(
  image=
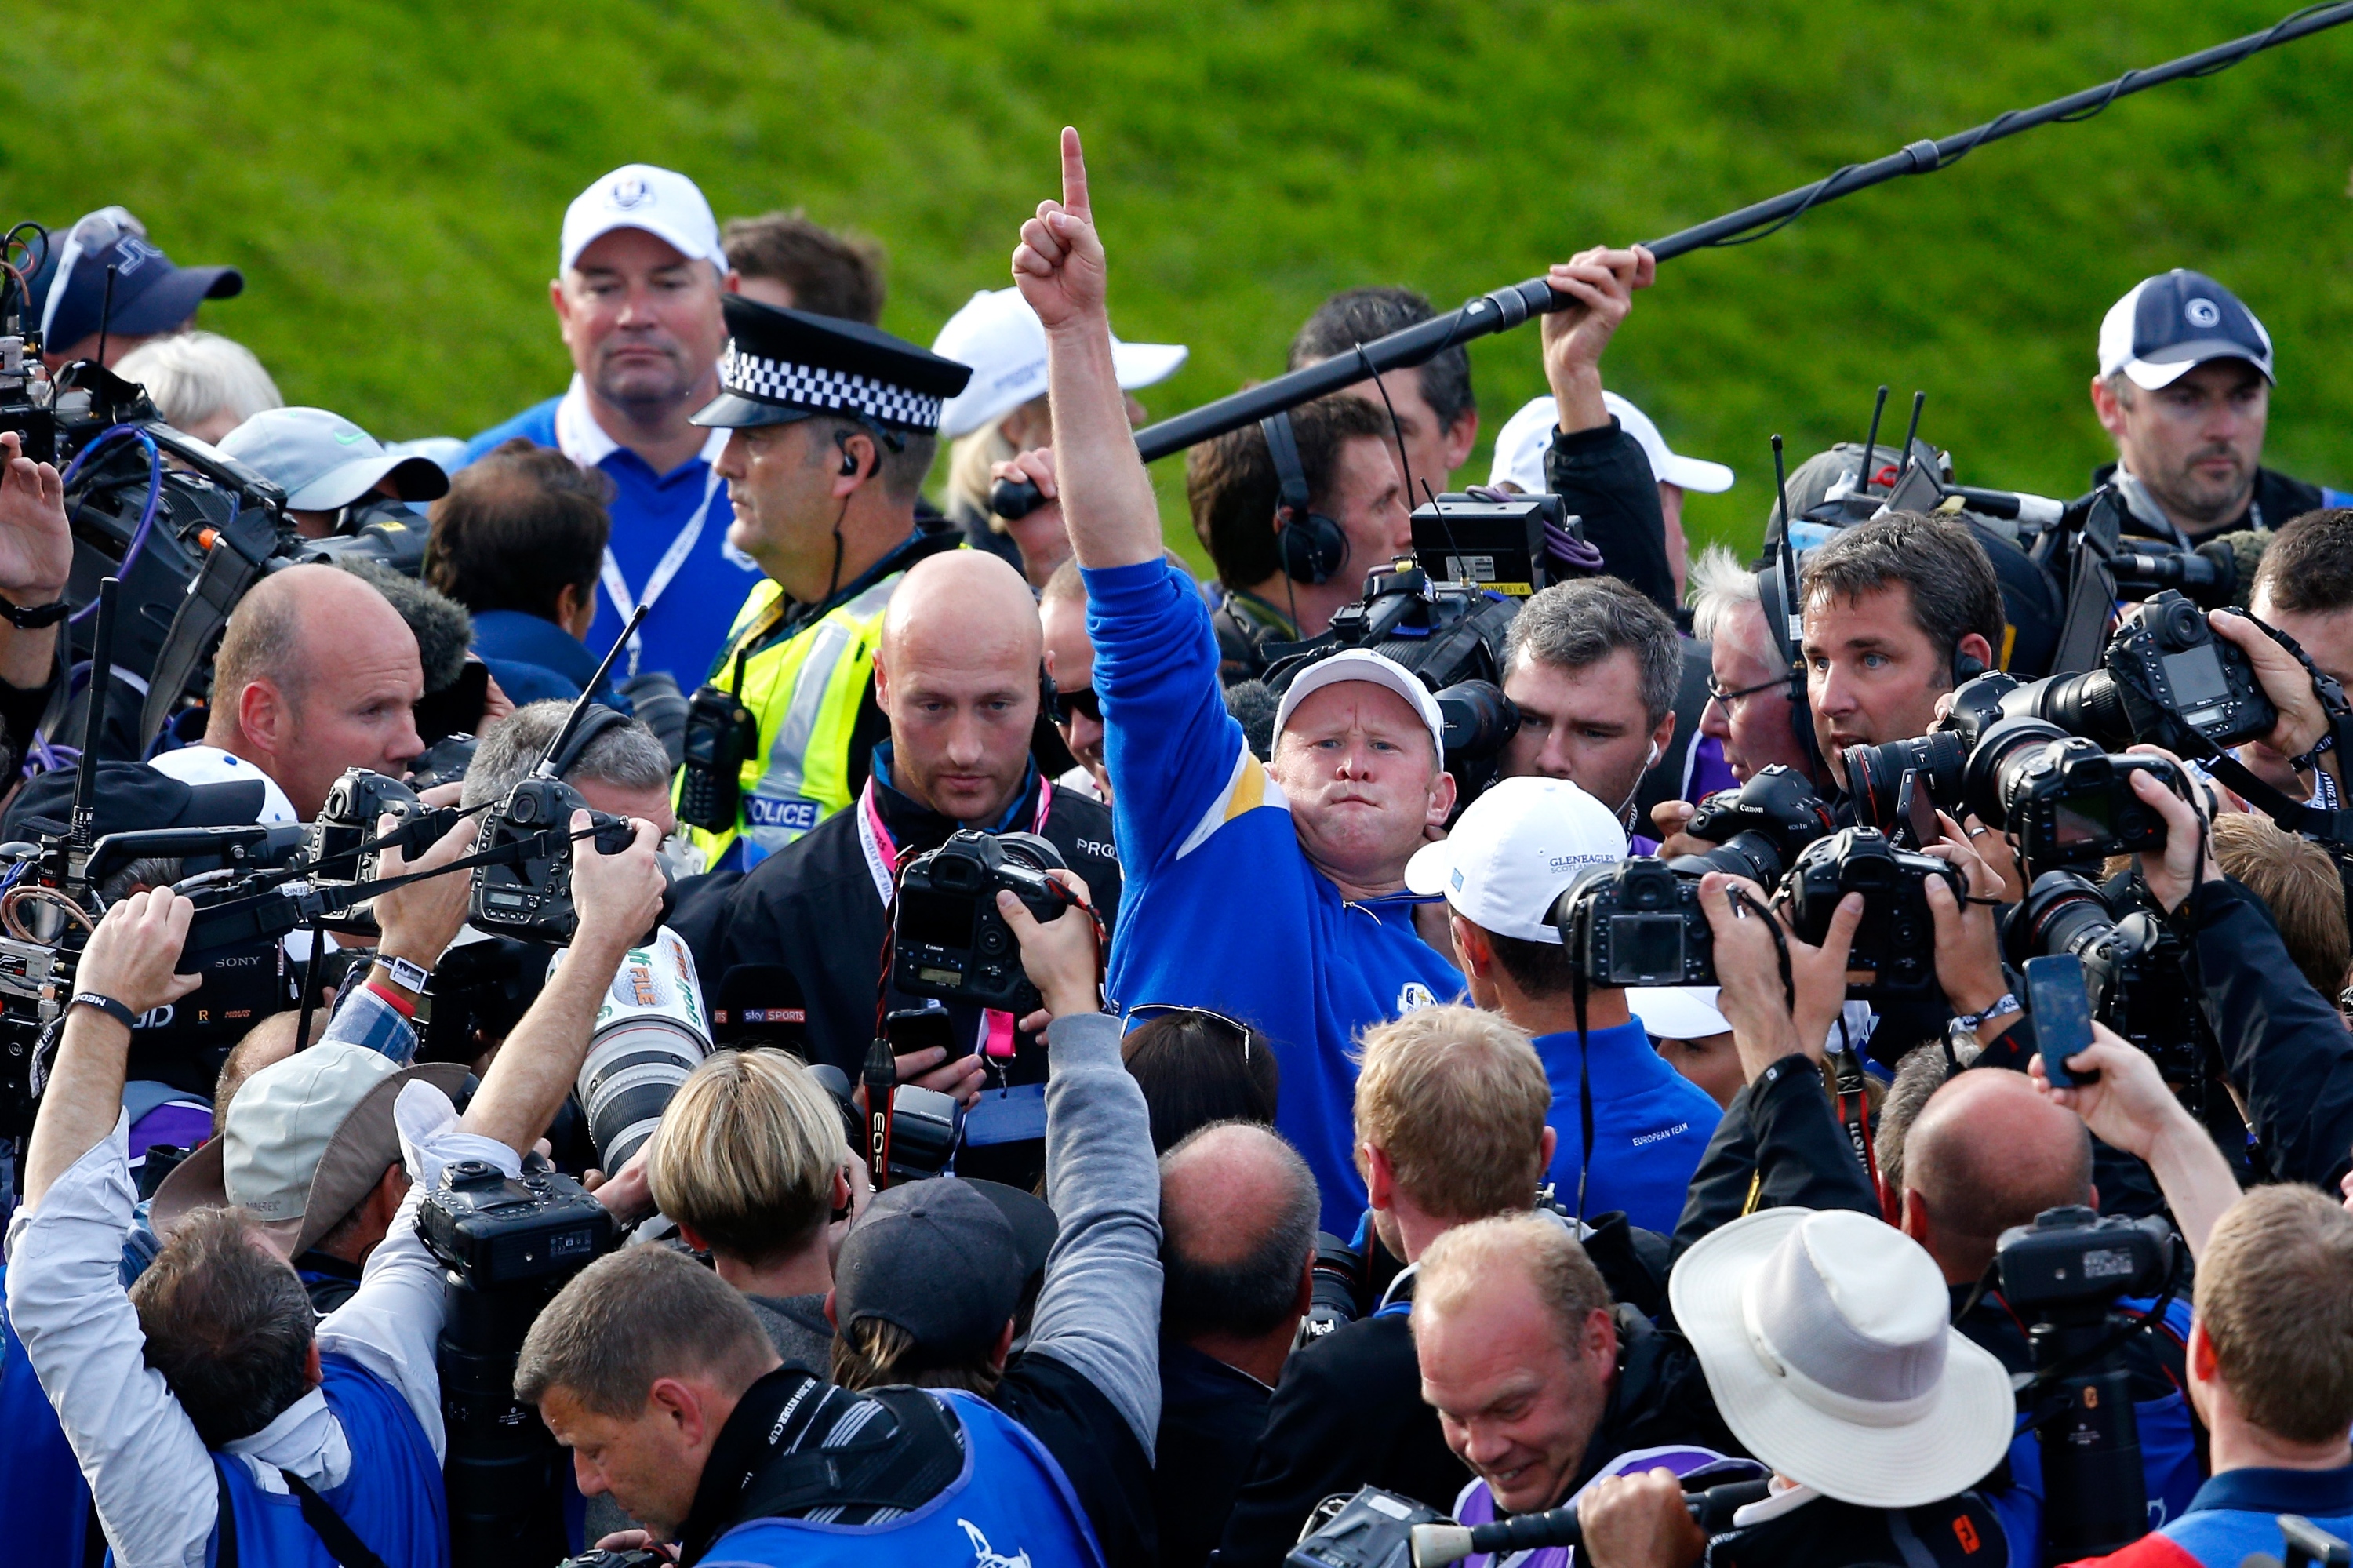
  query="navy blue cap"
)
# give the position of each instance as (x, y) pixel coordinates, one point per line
(2171, 323)
(946, 1260)
(150, 294)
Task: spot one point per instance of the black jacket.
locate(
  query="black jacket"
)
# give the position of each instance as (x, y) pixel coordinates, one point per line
(806, 923)
(1603, 476)
(1211, 1415)
(1959, 1532)
(2285, 1045)
(2275, 500)
(1778, 1146)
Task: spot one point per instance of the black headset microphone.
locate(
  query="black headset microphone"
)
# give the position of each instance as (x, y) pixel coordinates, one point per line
(1314, 548)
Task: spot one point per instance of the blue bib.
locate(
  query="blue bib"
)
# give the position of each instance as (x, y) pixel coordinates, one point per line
(392, 1498)
(1021, 1514)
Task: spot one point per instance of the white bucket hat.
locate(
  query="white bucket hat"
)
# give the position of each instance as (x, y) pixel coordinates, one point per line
(1826, 1341)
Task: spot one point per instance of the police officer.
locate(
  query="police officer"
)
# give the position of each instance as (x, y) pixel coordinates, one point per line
(834, 424)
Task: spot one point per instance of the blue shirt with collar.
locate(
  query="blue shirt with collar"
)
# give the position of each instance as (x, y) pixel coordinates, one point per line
(533, 659)
(2236, 1513)
(687, 625)
(1650, 1125)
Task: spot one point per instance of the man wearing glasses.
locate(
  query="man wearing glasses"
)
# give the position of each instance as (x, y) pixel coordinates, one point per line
(151, 299)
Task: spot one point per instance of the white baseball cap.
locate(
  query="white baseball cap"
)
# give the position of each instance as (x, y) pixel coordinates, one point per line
(1520, 449)
(665, 203)
(1513, 851)
(1002, 339)
(1362, 664)
(1677, 1011)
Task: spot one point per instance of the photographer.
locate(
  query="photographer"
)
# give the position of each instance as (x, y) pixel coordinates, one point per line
(1898, 611)
(956, 671)
(2269, 1358)
(233, 1402)
(330, 469)
(35, 557)
(2305, 588)
(1508, 859)
(1749, 708)
(621, 768)
(1314, 844)
(518, 541)
(316, 673)
(2184, 390)
(670, 1407)
(784, 259)
(1593, 668)
(1449, 1115)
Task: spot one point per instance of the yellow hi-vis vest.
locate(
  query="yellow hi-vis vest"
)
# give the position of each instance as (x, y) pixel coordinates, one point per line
(805, 691)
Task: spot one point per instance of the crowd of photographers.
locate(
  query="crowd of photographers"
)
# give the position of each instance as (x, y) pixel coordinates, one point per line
(634, 985)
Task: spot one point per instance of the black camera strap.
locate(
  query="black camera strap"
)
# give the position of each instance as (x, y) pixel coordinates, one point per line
(342, 1541)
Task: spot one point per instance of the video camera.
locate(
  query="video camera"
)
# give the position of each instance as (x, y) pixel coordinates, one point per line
(2064, 1274)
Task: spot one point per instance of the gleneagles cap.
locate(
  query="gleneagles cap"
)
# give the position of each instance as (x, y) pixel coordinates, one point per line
(662, 202)
(1362, 664)
(305, 1141)
(1002, 339)
(321, 460)
(1513, 851)
(2171, 323)
(945, 1259)
(1520, 449)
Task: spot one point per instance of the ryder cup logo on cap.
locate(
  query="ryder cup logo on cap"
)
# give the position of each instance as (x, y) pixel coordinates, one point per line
(2170, 325)
(1513, 851)
(661, 202)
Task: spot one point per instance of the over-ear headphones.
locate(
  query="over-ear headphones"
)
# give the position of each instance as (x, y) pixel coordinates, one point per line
(1314, 548)
(593, 722)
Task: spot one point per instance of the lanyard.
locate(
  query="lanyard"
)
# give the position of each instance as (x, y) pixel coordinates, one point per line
(882, 863)
(579, 437)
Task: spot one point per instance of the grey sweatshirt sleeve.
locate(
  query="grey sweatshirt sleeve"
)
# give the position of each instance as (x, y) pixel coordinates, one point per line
(1099, 1310)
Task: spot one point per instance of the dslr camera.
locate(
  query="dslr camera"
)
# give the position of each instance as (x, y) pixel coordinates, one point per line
(2066, 800)
(1897, 939)
(948, 940)
(531, 897)
(341, 843)
(1757, 829)
(2135, 968)
(2168, 680)
(1636, 923)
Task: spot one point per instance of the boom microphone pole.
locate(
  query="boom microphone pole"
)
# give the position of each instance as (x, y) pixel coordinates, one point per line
(1506, 308)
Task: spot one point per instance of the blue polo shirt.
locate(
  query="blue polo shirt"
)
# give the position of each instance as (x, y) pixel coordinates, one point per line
(687, 626)
(1650, 1125)
(2236, 1513)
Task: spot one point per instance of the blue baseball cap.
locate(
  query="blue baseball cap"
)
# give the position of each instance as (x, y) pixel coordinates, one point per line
(2171, 323)
(150, 294)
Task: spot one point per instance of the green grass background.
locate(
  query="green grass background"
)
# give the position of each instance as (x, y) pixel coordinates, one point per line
(391, 177)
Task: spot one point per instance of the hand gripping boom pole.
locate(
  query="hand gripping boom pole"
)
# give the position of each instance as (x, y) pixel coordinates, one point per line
(1508, 307)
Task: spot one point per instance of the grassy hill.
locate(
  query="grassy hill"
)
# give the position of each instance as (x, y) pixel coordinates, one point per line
(390, 177)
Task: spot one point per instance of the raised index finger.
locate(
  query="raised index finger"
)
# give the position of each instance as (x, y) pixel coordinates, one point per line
(1074, 175)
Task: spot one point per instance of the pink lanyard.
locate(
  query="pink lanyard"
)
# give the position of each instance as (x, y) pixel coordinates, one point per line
(882, 864)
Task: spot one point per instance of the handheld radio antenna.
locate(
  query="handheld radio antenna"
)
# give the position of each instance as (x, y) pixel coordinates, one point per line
(546, 766)
(1791, 621)
(105, 311)
(1504, 308)
(102, 676)
(1911, 434)
(1871, 442)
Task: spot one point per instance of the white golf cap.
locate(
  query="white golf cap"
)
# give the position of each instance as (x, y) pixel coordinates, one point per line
(665, 203)
(1002, 339)
(1520, 449)
(1826, 1343)
(1677, 1011)
(321, 460)
(1513, 851)
(2167, 325)
(1361, 665)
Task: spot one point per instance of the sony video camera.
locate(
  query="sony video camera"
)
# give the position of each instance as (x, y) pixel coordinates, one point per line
(948, 940)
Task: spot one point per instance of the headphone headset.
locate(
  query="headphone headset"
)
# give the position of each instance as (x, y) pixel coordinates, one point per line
(1651, 760)
(595, 722)
(849, 458)
(1311, 546)
(1967, 667)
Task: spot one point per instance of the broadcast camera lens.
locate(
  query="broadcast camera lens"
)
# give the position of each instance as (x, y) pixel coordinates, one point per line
(1480, 720)
(1874, 776)
(650, 1034)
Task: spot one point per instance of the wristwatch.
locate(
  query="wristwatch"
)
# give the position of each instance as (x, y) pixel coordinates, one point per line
(2005, 1003)
(37, 617)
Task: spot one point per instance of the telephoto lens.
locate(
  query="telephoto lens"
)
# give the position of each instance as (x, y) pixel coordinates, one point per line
(1758, 829)
(651, 1032)
(1874, 776)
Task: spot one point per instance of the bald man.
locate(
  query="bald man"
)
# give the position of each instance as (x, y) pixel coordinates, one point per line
(1986, 1153)
(956, 675)
(1238, 1210)
(316, 673)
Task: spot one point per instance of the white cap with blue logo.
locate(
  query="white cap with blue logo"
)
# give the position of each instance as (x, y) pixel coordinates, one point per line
(1513, 851)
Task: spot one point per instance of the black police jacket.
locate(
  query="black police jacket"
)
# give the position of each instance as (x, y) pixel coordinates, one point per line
(1958, 1532)
(1603, 476)
(2275, 500)
(806, 923)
